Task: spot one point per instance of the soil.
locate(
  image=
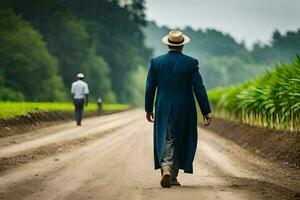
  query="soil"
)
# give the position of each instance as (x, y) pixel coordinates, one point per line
(111, 158)
(272, 144)
(37, 120)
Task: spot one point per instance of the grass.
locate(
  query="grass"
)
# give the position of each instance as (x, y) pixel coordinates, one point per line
(10, 110)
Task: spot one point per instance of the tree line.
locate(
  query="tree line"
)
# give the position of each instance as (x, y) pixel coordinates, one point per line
(44, 43)
(223, 60)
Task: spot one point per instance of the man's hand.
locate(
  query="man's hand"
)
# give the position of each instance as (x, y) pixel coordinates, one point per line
(149, 116)
(207, 119)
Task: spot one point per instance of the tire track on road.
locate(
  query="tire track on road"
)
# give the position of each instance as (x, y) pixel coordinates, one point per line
(14, 155)
(54, 175)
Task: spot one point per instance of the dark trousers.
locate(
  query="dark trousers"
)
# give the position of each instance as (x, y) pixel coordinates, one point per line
(79, 105)
(100, 108)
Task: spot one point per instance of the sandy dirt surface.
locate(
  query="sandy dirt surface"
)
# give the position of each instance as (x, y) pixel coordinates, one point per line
(111, 157)
(274, 145)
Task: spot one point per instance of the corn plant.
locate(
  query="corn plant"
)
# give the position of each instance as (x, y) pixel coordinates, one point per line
(271, 101)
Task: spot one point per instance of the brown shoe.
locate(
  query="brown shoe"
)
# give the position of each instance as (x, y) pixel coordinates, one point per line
(166, 177)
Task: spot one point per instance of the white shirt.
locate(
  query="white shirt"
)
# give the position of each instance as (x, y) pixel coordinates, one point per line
(79, 89)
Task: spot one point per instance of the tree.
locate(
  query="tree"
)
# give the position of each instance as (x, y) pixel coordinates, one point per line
(72, 40)
(100, 38)
(28, 69)
(282, 47)
(121, 39)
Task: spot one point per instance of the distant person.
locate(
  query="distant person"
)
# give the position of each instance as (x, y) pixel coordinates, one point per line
(176, 78)
(100, 106)
(80, 91)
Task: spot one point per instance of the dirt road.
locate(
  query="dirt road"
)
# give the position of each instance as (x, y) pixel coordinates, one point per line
(111, 157)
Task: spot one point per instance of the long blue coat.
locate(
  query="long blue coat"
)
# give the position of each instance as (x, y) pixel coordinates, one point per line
(176, 78)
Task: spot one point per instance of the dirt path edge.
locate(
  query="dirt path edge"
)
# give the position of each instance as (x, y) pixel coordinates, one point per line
(33, 121)
(272, 144)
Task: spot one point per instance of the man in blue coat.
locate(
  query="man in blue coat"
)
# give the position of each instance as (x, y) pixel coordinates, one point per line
(175, 79)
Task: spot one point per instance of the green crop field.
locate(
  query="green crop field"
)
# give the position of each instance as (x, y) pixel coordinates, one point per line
(12, 109)
(272, 100)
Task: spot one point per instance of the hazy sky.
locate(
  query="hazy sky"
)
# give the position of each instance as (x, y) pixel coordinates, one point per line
(250, 20)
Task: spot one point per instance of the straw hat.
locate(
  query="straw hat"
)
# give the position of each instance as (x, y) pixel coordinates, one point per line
(80, 75)
(175, 38)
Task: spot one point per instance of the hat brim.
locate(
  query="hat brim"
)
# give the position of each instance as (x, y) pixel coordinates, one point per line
(186, 40)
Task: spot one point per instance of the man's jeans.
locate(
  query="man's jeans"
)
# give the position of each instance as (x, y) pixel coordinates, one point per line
(169, 157)
(79, 104)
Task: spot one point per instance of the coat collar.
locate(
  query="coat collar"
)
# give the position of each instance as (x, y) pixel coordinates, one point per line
(175, 52)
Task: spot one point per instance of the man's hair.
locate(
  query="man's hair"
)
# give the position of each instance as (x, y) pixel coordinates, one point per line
(80, 78)
(177, 48)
